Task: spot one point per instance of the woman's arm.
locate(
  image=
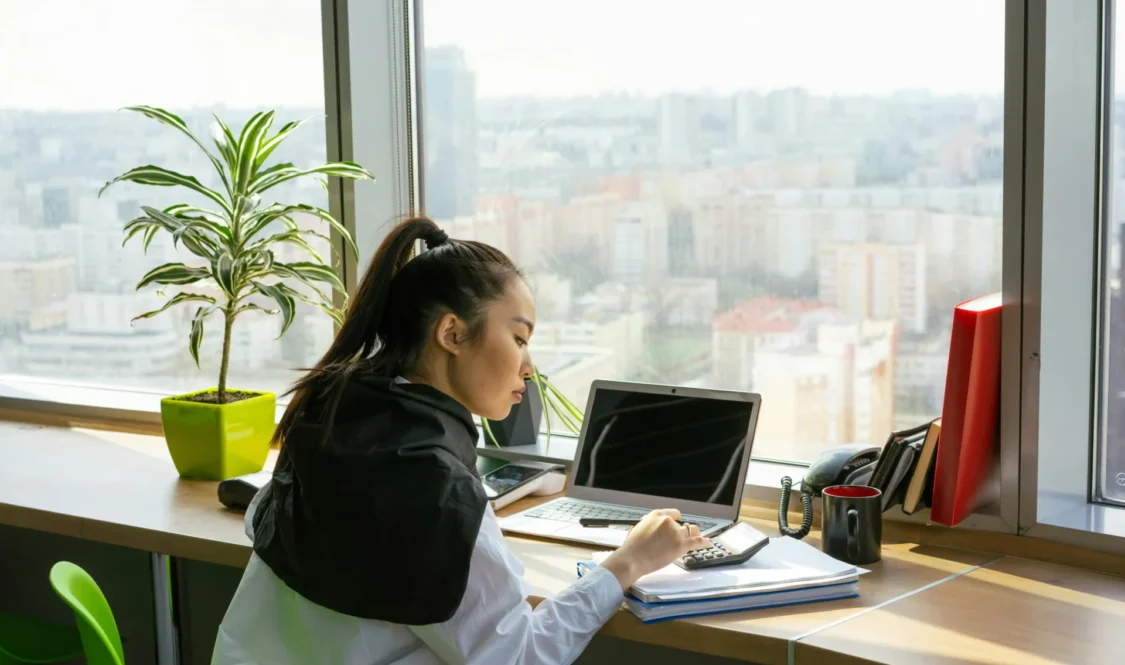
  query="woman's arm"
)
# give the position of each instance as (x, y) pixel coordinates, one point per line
(495, 625)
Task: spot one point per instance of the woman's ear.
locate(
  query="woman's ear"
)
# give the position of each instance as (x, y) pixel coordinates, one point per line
(450, 331)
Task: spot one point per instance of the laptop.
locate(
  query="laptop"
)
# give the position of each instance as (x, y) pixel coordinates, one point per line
(648, 446)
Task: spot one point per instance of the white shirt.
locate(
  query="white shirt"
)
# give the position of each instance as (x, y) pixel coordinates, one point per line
(268, 623)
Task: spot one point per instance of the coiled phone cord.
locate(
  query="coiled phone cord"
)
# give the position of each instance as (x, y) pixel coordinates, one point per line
(783, 511)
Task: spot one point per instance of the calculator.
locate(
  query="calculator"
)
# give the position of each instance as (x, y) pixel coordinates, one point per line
(734, 545)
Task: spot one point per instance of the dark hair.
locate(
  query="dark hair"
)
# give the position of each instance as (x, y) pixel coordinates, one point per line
(399, 298)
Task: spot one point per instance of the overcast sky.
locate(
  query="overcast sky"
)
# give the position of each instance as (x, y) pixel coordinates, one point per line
(103, 54)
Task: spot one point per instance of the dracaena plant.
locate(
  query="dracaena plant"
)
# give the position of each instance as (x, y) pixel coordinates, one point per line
(554, 401)
(234, 238)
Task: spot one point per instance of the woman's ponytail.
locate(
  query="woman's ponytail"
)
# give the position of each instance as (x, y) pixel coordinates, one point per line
(358, 337)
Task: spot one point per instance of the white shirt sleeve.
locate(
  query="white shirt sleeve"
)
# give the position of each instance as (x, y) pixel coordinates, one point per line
(495, 624)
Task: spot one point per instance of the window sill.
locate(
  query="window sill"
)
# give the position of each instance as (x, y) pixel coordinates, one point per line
(94, 405)
(138, 410)
(1071, 519)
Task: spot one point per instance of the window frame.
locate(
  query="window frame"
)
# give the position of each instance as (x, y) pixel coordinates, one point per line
(1069, 60)
(371, 121)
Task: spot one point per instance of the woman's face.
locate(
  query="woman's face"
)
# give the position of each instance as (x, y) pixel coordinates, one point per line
(487, 373)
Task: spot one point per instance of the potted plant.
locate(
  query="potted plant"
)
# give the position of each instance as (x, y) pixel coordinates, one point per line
(521, 427)
(222, 432)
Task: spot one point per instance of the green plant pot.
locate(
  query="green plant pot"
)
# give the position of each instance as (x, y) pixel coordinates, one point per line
(218, 441)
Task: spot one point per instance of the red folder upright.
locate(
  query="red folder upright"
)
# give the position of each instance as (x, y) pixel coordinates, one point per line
(971, 411)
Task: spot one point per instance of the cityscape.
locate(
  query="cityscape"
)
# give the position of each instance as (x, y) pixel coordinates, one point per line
(809, 248)
(805, 246)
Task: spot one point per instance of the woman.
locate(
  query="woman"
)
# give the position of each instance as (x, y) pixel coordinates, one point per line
(374, 541)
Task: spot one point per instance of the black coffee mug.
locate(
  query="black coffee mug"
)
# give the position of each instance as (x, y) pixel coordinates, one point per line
(852, 523)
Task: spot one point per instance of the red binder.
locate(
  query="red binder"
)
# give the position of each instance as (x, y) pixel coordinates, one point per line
(971, 411)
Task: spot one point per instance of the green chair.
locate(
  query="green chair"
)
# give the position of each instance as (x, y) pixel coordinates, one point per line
(98, 631)
(27, 640)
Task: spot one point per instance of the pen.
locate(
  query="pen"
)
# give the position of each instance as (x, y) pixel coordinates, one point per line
(594, 522)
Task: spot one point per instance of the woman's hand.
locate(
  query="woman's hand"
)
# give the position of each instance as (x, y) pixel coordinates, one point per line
(655, 542)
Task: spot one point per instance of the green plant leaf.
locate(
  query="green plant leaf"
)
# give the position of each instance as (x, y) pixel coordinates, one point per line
(488, 430)
(190, 212)
(223, 270)
(274, 170)
(197, 243)
(247, 308)
(195, 337)
(564, 401)
(138, 225)
(349, 170)
(224, 140)
(280, 270)
(332, 222)
(150, 233)
(161, 177)
(175, 300)
(284, 302)
(259, 220)
(200, 219)
(316, 272)
(538, 379)
(249, 143)
(194, 233)
(173, 273)
(252, 264)
(173, 120)
(269, 145)
(323, 305)
(292, 237)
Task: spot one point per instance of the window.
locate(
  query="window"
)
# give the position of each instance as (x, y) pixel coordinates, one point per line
(1110, 479)
(787, 198)
(68, 284)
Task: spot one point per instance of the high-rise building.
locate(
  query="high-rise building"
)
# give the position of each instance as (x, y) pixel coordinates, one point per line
(100, 344)
(640, 242)
(681, 242)
(36, 293)
(829, 380)
(56, 207)
(678, 122)
(451, 133)
(875, 282)
(738, 333)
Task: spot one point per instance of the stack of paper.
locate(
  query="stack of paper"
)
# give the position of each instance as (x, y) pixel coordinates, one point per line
(785, 572)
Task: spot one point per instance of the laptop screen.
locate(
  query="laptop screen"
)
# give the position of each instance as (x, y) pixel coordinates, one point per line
(670, 446)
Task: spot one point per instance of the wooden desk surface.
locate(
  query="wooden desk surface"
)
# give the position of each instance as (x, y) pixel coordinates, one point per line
(1011, 611)
(122, 489)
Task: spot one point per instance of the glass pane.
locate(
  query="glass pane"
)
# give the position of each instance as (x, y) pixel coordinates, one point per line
(1111, 474)
(68, 283)
(787, 198)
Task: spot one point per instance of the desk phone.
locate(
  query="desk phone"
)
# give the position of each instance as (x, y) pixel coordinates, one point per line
(734, 545)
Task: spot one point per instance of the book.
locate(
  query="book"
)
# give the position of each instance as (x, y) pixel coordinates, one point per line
(889, 457)
(895, 486)
(690, 607)
(785, 572)
(970, 411)
(923, 470)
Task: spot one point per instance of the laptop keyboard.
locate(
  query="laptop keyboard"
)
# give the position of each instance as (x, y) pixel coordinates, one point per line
(564, 510)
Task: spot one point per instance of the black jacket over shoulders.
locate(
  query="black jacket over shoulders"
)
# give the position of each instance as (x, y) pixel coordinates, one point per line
(376, 517)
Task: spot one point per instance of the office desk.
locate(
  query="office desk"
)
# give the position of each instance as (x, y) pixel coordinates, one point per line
(919, 605)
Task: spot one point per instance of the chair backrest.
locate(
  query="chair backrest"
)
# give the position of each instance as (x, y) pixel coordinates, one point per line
(96, 626)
